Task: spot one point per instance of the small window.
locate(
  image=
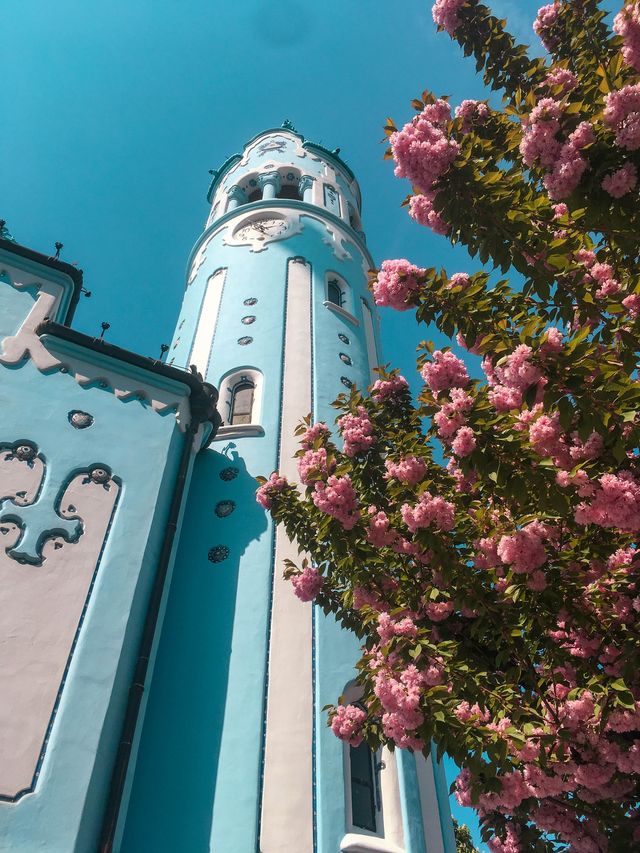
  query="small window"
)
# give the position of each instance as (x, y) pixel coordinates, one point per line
(241, 404)
(363, 791)
(334, 291)
(354, 219)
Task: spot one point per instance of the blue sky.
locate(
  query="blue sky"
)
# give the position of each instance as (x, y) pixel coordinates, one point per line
(114, 113)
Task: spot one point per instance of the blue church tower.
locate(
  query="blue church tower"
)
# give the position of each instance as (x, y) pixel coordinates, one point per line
(187, 703)
(234, 753)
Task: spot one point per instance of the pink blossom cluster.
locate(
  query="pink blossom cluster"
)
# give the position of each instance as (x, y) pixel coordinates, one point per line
(347, 723)
(464, 442)
(562, 77)
(451, 416)
(337, 498)
(400, 699)
(471, 713)
(313, 434)
(379, 531)
(523, 550)
(315, 465)
(357, 432)
(458, 279)
(389, 389)
(510, 380)
(397, 284)
(445, 14)
(423, 152)
(307, 584)
(409, 470)
(621, 182)
(265, 493)
(549, 441)
(622, 115)
(422, 211)
(616, 503)
(544, 22)
(632, 304)
(562, 162)
(438, 611)
(389, 628)
(509, 844)
(626, 24)
(603, 276)
(552, 345)
(471, 112)
(445, 371)
(463, 481)
(430, 511)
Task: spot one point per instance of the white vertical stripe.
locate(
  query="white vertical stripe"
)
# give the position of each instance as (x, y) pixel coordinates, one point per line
(207, 322)
(370, 336)
(429, 801)
(287, 804)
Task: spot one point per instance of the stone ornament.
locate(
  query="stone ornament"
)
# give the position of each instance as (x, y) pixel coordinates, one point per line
(80, 420)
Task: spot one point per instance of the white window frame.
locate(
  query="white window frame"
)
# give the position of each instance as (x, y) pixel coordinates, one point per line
(226, 385)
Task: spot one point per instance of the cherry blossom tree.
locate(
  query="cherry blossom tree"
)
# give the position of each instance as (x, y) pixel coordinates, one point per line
(496, 595)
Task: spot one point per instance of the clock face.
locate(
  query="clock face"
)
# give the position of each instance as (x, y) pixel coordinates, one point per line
(264, 228)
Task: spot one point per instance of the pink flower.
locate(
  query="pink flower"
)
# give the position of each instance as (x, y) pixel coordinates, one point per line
(389, 389)
(319, 430)
(632, 304)
(523, 550)
(337, 498)
(616, 504)
(266, 492)
(422, 211)
(622, 114)
(438, 611)
(544, 22)
(421, 150)
(553, 343)
(445, 371)
(464, 443)
(409, 470)
(560, 210)
(378, 531)
(307, 584)
(429, 511)
(445, 14)
(626, 24)
(562, 77)
(347, 723)
(459, 279)
(397, 285)
(621, 182)
(471, 112)
(314, 465)
(357, 432)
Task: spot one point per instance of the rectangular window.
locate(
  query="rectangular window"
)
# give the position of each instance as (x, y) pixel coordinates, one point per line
(363, 804)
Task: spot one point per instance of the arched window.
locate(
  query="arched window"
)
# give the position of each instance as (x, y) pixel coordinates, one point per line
(334, 291)
(354, 219)
(364, 786)
(241, 403)
(289, 191)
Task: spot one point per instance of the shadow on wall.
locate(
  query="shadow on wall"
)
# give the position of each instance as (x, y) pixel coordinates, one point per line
(175, 777)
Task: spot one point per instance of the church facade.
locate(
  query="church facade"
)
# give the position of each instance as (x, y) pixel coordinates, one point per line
(163, 687)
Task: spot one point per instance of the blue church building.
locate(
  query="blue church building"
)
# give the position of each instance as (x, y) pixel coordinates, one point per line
(162, 688)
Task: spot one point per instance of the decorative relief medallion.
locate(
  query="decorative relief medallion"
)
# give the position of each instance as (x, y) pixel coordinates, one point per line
(250, 301)
(218, 553)
(80, 420)
(245, 341)
(229, 474)
(248, 320)
(53, 526)
(224, 508)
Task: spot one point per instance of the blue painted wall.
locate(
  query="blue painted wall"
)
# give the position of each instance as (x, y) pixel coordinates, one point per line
(64, 812)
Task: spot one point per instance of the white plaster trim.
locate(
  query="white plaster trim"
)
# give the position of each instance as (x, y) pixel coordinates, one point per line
(287, 799)
(260, 242)
(370, 336)
(429, 802)
(353, 843)
(238, 431)
(338, 310)
(42, 351)
(207, 321)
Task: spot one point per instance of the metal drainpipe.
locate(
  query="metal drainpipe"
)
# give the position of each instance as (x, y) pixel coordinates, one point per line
(136, 690)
